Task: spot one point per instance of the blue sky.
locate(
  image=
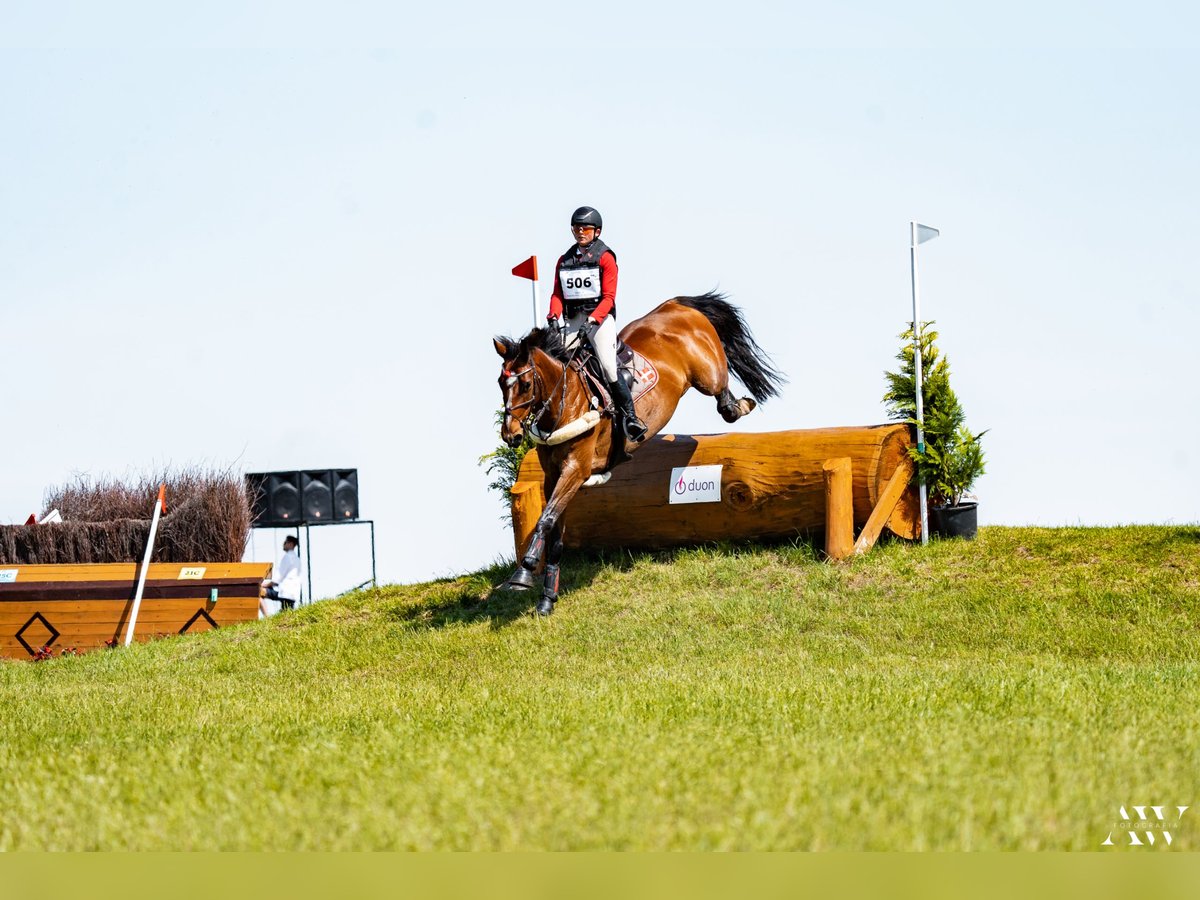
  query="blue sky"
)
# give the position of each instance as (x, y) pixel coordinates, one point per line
(183, 186)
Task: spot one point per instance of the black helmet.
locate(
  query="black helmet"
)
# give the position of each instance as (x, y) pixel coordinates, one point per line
(585, 215)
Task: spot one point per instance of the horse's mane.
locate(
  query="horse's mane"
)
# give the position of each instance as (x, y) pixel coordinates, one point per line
(547, 340)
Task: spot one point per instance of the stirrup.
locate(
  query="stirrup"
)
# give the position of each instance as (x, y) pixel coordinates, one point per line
(635, 428)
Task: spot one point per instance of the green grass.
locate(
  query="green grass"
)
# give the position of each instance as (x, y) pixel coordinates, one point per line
(1010, 693)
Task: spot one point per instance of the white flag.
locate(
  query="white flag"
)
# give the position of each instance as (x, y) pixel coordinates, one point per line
(925, 233)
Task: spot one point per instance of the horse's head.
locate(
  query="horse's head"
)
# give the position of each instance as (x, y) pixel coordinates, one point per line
(528, 378)
(519, 385)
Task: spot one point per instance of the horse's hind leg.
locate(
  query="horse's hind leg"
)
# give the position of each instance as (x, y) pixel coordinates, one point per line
(731, 408)
(554, 550)
(712, 379)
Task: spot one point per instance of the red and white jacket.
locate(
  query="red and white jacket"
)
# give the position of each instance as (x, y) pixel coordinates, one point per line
(585, 279)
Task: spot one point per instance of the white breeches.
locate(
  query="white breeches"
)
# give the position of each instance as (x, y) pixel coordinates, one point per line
(604, 342)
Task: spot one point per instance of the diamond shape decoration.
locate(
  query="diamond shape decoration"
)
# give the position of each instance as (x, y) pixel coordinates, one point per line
(50, 630)
(200, 613)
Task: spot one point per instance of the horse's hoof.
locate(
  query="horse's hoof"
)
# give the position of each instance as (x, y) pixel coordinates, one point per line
(545, 606)
(520, 580)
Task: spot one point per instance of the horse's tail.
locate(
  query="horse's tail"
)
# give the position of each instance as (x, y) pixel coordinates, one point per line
(748, 361)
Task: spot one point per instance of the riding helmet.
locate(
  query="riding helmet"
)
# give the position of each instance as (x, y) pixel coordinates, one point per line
(585, 215)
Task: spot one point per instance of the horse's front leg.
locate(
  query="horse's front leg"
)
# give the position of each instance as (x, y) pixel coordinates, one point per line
(547, 534)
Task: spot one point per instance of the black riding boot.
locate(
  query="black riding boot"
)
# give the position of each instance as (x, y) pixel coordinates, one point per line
(635, 428)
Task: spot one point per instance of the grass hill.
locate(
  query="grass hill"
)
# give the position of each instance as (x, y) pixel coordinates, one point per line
(1014, 692)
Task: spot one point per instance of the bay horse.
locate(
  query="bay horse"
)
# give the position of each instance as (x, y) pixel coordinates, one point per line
(693, 342)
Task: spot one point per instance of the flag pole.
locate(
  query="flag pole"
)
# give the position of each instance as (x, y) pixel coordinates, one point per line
(159, 506)
(536, 304)
(528, 269)
(916, 295)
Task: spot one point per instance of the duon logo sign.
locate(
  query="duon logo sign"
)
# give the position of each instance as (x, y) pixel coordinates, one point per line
(695, 484)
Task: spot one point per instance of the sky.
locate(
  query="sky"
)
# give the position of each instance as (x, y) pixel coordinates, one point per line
(278, 236)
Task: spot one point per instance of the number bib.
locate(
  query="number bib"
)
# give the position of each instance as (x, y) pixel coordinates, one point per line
(580, 284)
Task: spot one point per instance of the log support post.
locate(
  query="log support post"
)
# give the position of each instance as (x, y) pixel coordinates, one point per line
(883, 509)
(839, 507)
(528, 501)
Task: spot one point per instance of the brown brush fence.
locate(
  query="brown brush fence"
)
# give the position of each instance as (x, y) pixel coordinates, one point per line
(207, 520)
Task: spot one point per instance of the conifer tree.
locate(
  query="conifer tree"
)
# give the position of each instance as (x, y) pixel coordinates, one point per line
(953, 458)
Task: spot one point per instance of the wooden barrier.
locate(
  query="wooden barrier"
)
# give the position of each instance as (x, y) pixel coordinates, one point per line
(772, 485)
(85, 606)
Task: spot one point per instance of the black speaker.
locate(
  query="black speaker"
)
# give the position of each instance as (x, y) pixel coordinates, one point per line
(345, 494)
(312, 496)
(316, 495)
(256, 493)
(274, 498)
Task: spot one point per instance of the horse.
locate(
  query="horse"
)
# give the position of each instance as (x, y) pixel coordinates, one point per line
(693, 342)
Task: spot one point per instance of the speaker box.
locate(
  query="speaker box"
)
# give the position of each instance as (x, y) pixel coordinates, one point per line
(345, 494)
(256, 493)
(281, 499)
(316, 495)
(275, 498)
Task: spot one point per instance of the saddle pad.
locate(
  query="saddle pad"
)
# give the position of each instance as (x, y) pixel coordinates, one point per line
(645, 376)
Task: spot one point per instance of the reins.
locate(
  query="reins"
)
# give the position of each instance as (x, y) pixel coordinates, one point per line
(529, 423)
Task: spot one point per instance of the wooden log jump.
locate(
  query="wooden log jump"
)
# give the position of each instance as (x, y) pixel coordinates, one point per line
(770, 485)
(87, 605)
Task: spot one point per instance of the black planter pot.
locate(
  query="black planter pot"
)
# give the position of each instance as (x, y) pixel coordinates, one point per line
(954, 521)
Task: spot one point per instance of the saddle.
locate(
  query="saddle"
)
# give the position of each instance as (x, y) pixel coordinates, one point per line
(634, 369)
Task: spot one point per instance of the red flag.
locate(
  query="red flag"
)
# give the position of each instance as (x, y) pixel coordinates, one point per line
(527, 269)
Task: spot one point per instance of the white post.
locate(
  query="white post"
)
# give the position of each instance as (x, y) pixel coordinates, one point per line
(916, 294)
(536, 304)
(919, 234)
(141, 585)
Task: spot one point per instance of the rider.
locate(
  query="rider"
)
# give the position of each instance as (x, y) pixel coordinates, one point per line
(585, 288)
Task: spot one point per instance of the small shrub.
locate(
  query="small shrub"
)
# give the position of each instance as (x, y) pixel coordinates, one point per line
(505, 464)
(953, 458)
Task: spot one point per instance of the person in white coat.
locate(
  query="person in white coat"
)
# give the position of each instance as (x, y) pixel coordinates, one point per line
(283, 590)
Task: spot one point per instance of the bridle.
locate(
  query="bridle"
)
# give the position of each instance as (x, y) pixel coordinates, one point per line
(511, 377)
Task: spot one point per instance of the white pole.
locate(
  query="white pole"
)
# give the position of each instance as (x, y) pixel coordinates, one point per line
(141, 585)
(916, 293)
(536, 304)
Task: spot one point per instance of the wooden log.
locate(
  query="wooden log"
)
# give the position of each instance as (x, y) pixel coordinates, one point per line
(839, 507)
(772, 485)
